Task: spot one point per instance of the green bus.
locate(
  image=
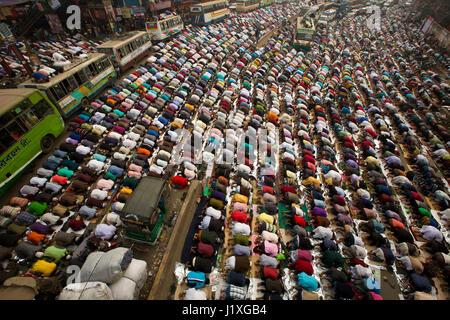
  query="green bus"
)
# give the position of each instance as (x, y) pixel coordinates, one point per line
(29, 124)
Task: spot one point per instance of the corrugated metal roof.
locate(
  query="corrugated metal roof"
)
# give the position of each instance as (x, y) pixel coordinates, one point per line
(144, 199)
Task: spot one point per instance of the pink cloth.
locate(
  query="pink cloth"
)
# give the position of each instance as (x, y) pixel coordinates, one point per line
(271, 249)
(105, 184)
(376, 296)
(147, 121)
(72, 141)
(240, 207)
(135, 167)
(134, 174)
(126, 105)
(304, 255)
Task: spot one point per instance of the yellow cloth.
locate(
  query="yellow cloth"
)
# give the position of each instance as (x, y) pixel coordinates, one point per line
(126, 191)
(310, 180)
(291, 175)
(264, 217)
(177, 124)
(240, 198)
(189, 106)
(201, 124)
(373, 160)
(44, 267)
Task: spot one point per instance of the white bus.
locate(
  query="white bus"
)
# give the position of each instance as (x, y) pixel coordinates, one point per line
(164, 27)
(209, 12)
(126, 50)
(75, 87)
(247, 5)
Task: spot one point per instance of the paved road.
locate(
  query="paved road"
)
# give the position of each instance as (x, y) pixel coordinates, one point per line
(165, 282)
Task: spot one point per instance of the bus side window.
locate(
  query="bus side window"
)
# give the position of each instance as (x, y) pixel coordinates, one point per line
(29, 119)
(98, 65)
(67, 85)
(80, 77)
(16, 129)
(93, 69)
(122, 52)
(106, 63)
(42, 109)
(87, 72)
(58, 92)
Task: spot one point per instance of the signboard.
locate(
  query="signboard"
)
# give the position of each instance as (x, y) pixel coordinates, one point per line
(54, 23)
(126, 13)
(162, 5)
(54, 4)
(137, 12)
(5, 32)
(109, 9)
(427, 25)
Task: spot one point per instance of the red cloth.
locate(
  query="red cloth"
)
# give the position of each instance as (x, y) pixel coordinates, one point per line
(267, 189)
(417, 196)
(205, 250)
(248, 163)
(397, 224)
(76, 224)
(303, 266)
(59, 180)
(285, 189)
(348, 139)
(355, 261)
(339, 200)
(371, 132)
(181, 182)
(289, 161)
(308, 158)
(385, 198)
(239, 216)
(349, 145)
(367, 144)
(270, 273)
(300, 221)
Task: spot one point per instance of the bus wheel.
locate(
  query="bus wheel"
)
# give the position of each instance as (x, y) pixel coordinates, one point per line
(47, 143)
(84, 102)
